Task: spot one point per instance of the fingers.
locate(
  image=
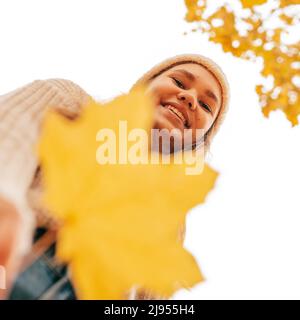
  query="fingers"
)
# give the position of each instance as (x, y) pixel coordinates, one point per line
(10, 224)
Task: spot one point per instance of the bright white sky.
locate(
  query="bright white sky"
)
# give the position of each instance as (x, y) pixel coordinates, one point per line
(246, 237)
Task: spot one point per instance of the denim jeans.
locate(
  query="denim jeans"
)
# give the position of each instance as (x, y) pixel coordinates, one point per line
(44, 279)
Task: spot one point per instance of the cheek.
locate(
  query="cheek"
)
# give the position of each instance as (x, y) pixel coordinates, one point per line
(161, 91)
(203, 120)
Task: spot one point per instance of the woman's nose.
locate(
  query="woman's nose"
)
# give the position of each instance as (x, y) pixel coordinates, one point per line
(188, 99)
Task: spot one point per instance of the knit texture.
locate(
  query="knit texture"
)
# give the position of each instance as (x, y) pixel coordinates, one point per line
(21, 115)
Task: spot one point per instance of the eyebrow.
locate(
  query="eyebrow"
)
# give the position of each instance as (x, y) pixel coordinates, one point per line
(191, 77)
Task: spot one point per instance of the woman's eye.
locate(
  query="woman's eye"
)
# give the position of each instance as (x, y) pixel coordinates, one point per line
(178, 83)
(205, 106)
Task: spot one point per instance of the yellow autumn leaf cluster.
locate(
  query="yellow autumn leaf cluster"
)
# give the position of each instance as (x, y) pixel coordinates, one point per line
(251, 3)
(285, 3)
(120, 222)
(281, 60)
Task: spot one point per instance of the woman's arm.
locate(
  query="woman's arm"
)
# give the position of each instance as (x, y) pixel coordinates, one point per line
(21, 115)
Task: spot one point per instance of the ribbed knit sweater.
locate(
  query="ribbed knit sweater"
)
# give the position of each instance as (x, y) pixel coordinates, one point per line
(21, 115)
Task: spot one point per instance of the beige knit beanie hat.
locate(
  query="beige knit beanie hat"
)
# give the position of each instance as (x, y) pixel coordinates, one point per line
(206, 63)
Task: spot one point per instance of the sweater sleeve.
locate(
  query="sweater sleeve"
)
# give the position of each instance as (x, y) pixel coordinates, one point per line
(21, 115)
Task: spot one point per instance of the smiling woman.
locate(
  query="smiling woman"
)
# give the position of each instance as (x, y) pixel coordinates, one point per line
(190, 92)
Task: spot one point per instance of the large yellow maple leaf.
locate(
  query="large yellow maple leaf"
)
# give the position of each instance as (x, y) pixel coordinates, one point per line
(120, 222)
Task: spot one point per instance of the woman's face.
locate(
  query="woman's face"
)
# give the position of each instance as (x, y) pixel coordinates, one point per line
(186, 96)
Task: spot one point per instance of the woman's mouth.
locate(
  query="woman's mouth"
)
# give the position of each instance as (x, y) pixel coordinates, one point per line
(176, 112)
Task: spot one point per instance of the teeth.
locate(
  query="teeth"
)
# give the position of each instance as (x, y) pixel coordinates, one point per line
(177, 112)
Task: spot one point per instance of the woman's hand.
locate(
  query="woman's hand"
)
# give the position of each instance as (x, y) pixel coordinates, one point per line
(10, 227)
